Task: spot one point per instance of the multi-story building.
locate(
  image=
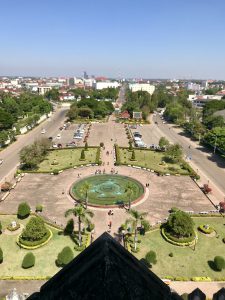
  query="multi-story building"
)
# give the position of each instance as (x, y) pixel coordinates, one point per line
(106, 84)
(142, 87)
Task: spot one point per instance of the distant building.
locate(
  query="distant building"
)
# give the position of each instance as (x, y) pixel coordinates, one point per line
(142, 87)
(85, 75)
(137, 115)
(43, 89)
(106, 84)
(200, 101)
(125, 115)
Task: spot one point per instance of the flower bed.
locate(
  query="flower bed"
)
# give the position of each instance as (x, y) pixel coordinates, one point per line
(206, 229)
(34, 244)
(189, 241)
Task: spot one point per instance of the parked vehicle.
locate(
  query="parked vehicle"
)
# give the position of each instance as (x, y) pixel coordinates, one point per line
(50, 138)
(43, 131)
(1, 161)
(58, 136)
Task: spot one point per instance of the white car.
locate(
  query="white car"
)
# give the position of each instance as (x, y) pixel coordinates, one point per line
(58, 136)
(54, 146)
(43, 131)
(1, 161)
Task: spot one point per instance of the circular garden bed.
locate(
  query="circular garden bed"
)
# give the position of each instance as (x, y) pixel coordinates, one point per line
(107, 190)
(182, 242)
(34, 244)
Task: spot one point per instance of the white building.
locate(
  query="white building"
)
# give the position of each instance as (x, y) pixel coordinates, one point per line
(42, 89)
(142, 87)
(106, 84)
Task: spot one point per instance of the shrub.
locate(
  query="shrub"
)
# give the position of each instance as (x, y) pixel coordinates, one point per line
(174, 209)
(219, 263)
(117, 151)
(65, 256)
(68, 230)
(150, 258)
(90, 227)
(101, 144)
(28, 260)
(171, 254)
(23, 210)
(35, 230)
(0, 227)
(223, 240)
(55, 172)
(6, 186)
(146, 225)
(133, 155)
(39, 208)
(130, 146)
(82, 155)
(86, 146)
(1, 255)
(180, 224)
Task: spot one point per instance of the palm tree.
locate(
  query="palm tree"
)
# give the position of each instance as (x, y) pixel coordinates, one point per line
(136, 217)
(83, 215)
(129, 191)
(85, 189)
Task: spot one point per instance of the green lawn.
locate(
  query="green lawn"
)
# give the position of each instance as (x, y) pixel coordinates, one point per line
(45, 256)
(186, 262)
(66, 158)
(151, 160)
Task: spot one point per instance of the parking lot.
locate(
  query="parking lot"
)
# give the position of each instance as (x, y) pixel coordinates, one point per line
(150, 134)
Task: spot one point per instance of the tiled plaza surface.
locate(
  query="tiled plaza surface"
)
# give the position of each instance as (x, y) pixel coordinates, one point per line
(53, 193)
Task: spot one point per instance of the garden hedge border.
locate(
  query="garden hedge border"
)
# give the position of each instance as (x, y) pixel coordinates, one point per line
(185, 244)
(34, 247)
(187, 167)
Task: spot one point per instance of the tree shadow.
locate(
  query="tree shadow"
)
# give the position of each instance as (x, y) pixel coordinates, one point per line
(212, 265)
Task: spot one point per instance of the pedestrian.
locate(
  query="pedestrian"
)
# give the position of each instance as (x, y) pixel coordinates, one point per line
(110, 224)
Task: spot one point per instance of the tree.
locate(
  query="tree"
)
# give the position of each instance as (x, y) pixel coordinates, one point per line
(86, 146)
(1, 255)
(28, 260)
(52, 95)
(164, 143)
(150, 258)
(3, 137)
(136, 218)
(65, 256)
(23, 210)
(68, 230)
(33, 154)
(174, 152)
(82, 214)
(84, 190)
(35, 230)
(129, 192)
(85, 112)
(180, 224)
(6, 120)
(82, 155)
(133, 155)
(219, 263)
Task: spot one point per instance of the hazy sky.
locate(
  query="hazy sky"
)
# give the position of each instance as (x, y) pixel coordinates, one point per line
(127, 38)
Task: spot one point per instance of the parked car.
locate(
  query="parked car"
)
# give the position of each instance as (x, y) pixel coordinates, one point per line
(61, 128)
(54, 146)
(59, 145)
(50, 138)
(59, 136)
(1, 161)
(43, 131)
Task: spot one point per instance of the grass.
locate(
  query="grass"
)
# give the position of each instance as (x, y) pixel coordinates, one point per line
(45, 256)
(185, 261)
(66, 158)
(151, 160)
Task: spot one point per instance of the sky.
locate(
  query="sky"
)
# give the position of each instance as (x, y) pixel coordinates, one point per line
(113, 38)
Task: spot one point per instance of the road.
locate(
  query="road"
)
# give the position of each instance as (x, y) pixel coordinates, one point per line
(121, 97)
(10, 155)
(212, 166)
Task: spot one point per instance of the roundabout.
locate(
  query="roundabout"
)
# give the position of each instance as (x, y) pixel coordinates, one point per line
(107, 190)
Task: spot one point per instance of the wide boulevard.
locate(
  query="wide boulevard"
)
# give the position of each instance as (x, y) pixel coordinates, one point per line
(10, 155)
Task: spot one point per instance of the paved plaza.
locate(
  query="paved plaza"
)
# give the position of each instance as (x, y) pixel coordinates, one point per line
(52, 192)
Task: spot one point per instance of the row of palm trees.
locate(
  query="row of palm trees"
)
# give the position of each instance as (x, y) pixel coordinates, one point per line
(83, 216)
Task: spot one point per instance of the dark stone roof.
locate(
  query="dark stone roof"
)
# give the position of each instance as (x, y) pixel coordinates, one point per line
(105, 270)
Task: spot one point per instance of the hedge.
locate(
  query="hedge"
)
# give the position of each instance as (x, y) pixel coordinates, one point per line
(33, 245)
(98, 154)
(25, 277)
(117, 152)
(176, 243)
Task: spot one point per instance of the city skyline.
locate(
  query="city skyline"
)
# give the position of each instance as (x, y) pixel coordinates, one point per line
(145, 39)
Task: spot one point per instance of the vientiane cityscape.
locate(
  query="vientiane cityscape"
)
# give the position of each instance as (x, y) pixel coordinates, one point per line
(112, 163)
